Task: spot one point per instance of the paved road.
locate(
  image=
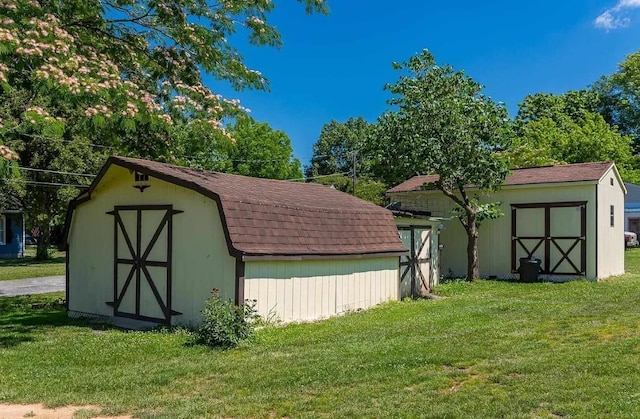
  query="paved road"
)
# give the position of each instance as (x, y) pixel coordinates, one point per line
(31, 286)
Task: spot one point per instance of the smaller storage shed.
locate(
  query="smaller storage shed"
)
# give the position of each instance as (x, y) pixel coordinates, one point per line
(569, 216)
(420, 267)
(150, 241)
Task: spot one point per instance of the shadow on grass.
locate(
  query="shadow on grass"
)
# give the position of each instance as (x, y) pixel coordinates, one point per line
(24, 317)
(30, 261)
(514, 279)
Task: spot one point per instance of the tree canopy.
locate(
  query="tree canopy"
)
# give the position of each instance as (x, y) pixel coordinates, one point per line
(620, 97)
(126, 74)
(444, 125)
(261, 151)
(336, 145)
(556, 129)
(133, 60)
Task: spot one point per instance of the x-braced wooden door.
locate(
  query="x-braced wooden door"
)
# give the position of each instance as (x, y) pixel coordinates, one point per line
(415, 268)
(555, 232)
(143, 240)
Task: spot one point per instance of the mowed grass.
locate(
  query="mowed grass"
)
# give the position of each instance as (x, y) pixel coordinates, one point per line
(488, 349)
(29, 267)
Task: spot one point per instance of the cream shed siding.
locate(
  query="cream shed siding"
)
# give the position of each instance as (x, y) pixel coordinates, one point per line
(200, 261)
(494, 244)
(150, 241)
(294, 290)
(420, 267)
(610, 239)
(570, 216)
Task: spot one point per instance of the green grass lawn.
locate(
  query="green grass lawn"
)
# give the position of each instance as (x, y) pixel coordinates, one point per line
(488, 349)
(29, 267)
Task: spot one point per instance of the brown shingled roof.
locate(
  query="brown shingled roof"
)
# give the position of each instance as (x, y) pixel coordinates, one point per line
(577, 172)
(273, 217)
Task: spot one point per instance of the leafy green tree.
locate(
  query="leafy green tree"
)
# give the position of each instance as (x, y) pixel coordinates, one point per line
(575, 104)
(8, 160)
(341, 148)
(391, 161)
(338, 145)
(368, 189)
(199, 148)
(257, 150)
(48, 151)
(260, 151)
(556, 129)
(619, 95)
(125, 73)
(446, 126)
(7, 154)
(136, 61)
(54, 139)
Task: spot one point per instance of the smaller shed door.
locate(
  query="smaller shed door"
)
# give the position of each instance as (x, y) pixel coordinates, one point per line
(142, 262)
(415, 268)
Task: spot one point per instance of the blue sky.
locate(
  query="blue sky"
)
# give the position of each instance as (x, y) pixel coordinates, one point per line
(335, 66)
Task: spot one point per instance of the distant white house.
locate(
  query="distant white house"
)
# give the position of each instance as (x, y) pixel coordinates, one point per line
(632, 208)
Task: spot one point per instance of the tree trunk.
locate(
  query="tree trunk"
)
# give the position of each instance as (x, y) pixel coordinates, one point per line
(42, 249)
(473, 268)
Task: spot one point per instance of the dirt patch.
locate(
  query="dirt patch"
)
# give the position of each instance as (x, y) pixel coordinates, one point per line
(38, 411)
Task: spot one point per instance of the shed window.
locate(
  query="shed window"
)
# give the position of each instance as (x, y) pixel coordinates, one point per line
(141, 177)
(611, 211)
(3, 229)
(611, 181)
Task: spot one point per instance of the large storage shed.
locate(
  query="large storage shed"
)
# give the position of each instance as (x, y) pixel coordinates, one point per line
(568, 216)
(150, 241)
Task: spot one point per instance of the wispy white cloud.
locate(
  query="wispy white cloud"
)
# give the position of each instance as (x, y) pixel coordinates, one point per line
(614, 17)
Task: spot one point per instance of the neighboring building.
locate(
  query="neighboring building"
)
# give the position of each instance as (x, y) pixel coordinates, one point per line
(12, 234)
(569, 216)
(150, 241)
(632, 208)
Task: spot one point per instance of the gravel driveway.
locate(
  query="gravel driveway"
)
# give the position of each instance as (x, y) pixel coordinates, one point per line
(31, 286)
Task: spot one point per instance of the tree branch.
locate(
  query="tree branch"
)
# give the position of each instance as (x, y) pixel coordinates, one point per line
(450, 194)
(117, 39)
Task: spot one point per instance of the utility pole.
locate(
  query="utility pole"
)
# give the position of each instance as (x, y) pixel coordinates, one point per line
(353, 168)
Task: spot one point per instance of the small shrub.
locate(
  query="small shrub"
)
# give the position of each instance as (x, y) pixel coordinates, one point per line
(225, 325)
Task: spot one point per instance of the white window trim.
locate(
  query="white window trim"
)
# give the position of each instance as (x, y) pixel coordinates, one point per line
(3, 230)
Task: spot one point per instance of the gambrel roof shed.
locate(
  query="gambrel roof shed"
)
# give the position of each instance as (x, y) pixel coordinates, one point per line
(265, 217)
(150, 240)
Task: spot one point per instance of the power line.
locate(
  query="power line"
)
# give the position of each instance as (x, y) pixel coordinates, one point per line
(44, 137)
(317, 156)
(31, 182)
(31, 169)
(91, 144)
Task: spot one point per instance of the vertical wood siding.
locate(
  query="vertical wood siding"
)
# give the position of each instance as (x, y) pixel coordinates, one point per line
(610, 239)
(495, 235)
(315, 289)
(201, 260)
